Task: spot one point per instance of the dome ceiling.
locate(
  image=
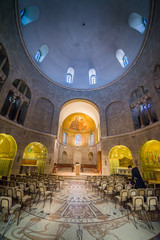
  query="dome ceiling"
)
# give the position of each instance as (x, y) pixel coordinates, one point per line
(83, 35)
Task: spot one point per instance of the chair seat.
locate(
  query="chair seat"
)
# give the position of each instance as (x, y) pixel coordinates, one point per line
(25, 198)
(147, 208)
(14, 208)
(48, 192)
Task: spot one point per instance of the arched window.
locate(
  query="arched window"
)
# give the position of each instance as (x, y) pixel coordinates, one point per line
(78, 140)
(70, 75)
(92, 76)
(41, 53)
(29, 14)
(65, 138)
(137, 22)
(122, 58)
(91, 139)
(17, 101)
(142, 109)
(4, 66)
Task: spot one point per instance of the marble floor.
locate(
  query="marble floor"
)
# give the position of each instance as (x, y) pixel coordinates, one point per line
(78, 213)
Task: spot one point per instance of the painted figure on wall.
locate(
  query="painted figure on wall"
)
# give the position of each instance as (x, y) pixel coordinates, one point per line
(78, 124)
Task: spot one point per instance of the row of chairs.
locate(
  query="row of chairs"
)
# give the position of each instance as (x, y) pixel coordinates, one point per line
(16, 195)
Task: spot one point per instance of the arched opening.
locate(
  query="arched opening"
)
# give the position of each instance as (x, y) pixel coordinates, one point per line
(41, 53)
(150, 160)
(137, 22)
(70, 75)
(17, 102)
(142, 108)
(34, 158)
(29, 14)
(78, 133)
(79, 124)
(122, 58)
(120, 157)
(8, 149)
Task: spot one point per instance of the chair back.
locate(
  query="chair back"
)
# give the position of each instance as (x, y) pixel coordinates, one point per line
(132, 192)
(149, 192)
(138, 202)
(2, 190)
(141, 191)
(19, 194)
(152, 203)
(124, 194)
(11, 192)
(6, 202)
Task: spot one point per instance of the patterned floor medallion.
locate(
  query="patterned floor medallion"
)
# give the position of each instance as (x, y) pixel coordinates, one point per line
(77, 212)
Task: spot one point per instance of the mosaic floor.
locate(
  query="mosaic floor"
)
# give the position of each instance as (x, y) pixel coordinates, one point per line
(77, 213)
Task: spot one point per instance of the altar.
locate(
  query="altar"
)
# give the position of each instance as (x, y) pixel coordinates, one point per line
(77, 168)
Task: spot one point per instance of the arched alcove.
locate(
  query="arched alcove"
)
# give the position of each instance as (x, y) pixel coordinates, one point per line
(43, 115)
(8, 150)
(78, 119)
(120, 157)
(150, 159)
(34, 158)
(115, 112)
(64, 156)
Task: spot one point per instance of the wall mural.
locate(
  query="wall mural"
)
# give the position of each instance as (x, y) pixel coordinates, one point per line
(150, 159)
(8, 149)
(79, 122)
(150, 154)
(119, 156)
(35, 154)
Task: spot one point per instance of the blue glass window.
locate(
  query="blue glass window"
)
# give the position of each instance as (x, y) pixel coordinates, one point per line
(69, 78)
(65, 138)
(125, 61)
(93, 79)
(144, 20)
(91, 139)
(78, 140)
(38, 56)
(22, 12)
(149, 105)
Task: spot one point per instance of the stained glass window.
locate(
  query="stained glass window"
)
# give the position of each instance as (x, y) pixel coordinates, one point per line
(38, 55)
(65, 138)
(122, 58)
(125, 61)
(41, 53)
(91, 139)
(78, 140)
(70, 75)
(29, 14)
(92, 76)
(69, 78)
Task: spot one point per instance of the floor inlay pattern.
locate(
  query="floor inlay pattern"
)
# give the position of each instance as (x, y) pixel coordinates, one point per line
(77, 212)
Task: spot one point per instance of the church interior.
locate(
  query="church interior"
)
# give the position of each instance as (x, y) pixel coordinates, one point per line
(79, 103)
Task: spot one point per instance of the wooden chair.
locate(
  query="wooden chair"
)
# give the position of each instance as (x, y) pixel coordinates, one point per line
(8, 210)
